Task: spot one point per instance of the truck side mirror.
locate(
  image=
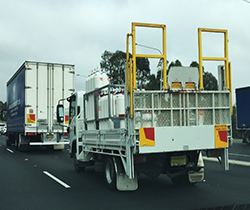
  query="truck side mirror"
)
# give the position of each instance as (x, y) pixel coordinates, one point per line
(60, 113)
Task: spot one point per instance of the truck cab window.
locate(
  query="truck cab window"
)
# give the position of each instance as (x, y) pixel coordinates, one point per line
(72, 108)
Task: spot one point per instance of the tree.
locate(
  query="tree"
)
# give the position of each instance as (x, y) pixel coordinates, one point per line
(142, 72)
(209, 80)
(114, 64)
(3, 113)
(154, 81)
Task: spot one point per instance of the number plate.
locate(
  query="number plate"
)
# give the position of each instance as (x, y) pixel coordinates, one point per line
(49, 136)
(178, 160)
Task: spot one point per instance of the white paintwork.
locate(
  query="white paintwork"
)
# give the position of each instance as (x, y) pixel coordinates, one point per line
(169, 139)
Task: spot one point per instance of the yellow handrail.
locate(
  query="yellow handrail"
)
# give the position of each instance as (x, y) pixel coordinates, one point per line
(225, 58)
(131, 63)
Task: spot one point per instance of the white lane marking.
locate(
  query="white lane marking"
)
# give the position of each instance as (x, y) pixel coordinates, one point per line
(9, 150)
(236, 162)
(56, 179)
(240, 155)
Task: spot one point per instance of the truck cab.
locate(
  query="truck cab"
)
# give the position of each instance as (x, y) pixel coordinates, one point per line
(75, 111)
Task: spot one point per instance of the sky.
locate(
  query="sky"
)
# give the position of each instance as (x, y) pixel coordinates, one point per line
(79, 31)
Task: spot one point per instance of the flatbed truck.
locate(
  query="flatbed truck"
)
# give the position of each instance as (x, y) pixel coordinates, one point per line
(124, 131)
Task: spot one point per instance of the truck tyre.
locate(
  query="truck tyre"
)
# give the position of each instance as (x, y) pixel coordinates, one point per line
(247, 137)
(78, 168)
(17, 144)
(110, 173)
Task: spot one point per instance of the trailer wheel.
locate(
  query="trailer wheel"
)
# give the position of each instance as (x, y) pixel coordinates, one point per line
(78, 168)
(110, 173)
(247, 137)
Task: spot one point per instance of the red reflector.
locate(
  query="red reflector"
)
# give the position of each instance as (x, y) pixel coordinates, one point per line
(121, 115)
(31, 134)
(66, 134)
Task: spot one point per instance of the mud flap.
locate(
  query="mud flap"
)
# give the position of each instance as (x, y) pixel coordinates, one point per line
(58, 146)
(124, 183)
(197, 176)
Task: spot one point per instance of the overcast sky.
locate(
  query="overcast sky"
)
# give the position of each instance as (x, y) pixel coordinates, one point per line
(79, 31)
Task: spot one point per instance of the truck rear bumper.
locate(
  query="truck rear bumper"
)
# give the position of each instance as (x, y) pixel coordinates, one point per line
(49, 143)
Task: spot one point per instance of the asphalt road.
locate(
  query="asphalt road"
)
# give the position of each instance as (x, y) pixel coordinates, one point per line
(26, 183)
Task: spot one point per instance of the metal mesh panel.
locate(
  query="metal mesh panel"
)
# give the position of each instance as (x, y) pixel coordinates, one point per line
(176, 118)
(176, 100)
(222, 116)
(161, 100)
(143, 101)
(221, 100)
(208, 117)
(191, 119)
(163, 118)
(205, 100)
(191, 100)
(181, 109)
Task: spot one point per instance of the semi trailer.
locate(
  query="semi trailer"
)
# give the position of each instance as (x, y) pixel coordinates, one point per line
(243, 112)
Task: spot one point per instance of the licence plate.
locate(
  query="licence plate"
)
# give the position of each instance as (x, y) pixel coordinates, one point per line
(49, 136)
(178, 160)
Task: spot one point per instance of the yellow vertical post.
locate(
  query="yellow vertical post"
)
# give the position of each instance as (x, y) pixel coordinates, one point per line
(127, 65)
(164, 59)
(200, 59)
(131, 88)
(133, 55)
(230, 85)
(226, 60)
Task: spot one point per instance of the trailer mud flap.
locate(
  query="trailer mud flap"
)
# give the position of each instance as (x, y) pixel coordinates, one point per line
(124, 183)
(196, 176)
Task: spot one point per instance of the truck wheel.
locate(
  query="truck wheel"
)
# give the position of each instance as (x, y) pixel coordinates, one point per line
(77, 166)
(247, 137)
(17, 144)
(110, 173)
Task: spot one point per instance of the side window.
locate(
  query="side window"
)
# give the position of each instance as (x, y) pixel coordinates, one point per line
(72, 108)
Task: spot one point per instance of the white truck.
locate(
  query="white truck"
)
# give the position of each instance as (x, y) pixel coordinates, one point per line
(32, 95)
(124, 131)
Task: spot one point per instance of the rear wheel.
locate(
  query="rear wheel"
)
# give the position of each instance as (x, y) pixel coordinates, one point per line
(78, 168)
(110, 173)
(247, 137)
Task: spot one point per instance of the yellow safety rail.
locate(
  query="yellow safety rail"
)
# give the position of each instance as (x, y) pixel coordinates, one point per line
(230, 85)
(131, 62)
(225, 58)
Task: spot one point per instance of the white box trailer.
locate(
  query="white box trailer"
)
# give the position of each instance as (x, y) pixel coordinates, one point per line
(32, 94)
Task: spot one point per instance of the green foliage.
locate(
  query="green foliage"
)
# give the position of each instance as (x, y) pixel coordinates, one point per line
(114, 65)
(176, 63)
(142, 72)
(154, 82)
(209, 80)
(3, 108)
